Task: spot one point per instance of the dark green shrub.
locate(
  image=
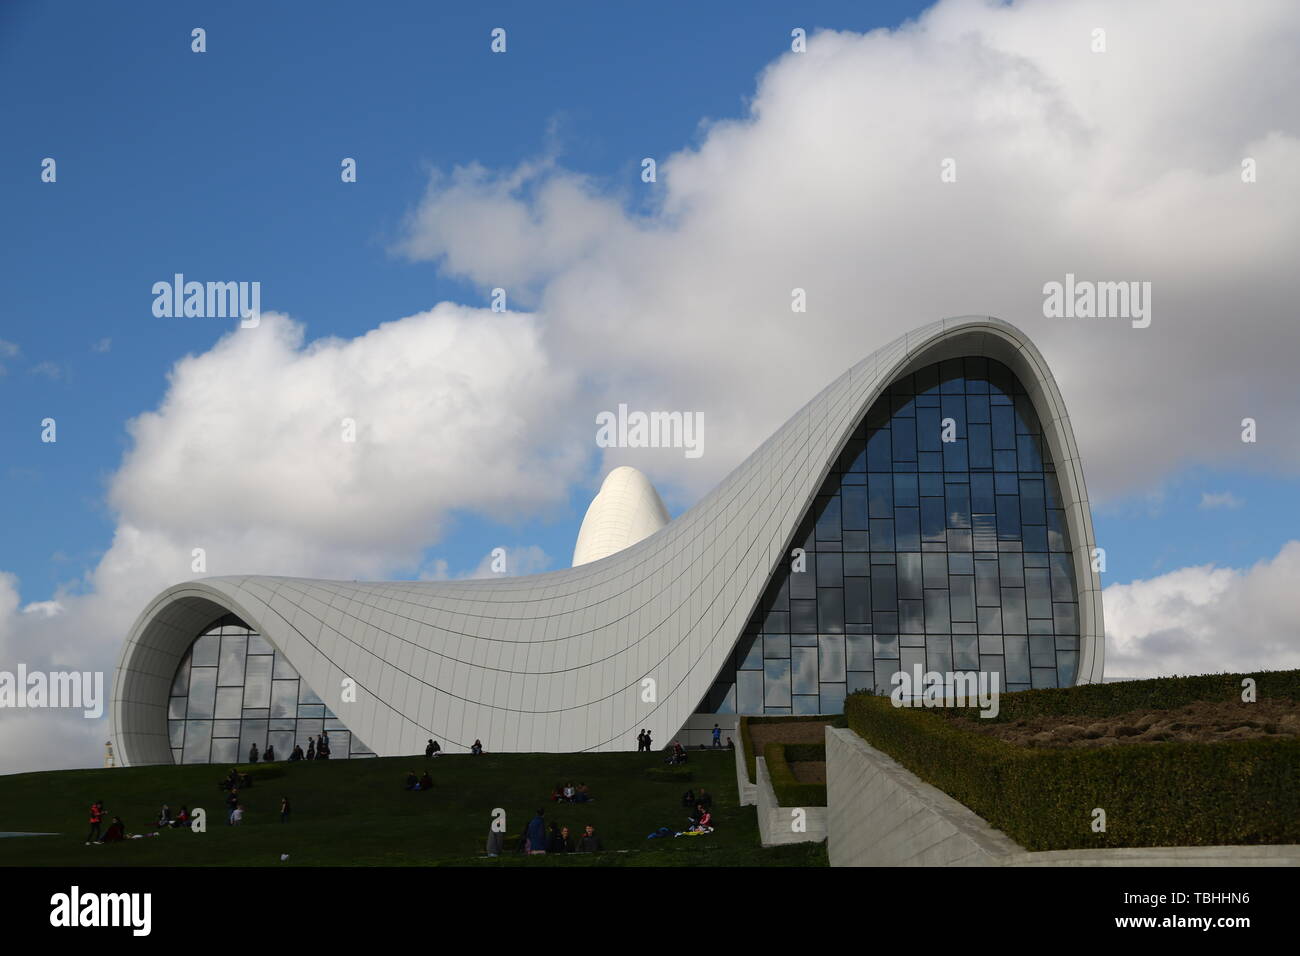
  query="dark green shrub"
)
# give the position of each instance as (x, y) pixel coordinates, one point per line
(1161, 794)
(789, 791)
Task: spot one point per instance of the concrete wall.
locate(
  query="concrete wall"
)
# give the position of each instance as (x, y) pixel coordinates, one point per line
(747, 790)
(775, 821)
(881, 814)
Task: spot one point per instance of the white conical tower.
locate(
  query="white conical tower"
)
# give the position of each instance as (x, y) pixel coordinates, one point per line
(625, 510)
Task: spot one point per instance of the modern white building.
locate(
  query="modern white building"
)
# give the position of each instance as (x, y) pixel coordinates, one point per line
(927, 507)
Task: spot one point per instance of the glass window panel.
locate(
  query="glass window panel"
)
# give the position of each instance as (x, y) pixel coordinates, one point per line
(961, 589)
(284, 698)
(854, 507)
(1042, 651)
(1013, 571)
(176, 707)
(1044, 677)
(904, 439)
(252, 732)
(226, 750)
(803, 617)
(965, 652)
(905, 491)
(938, 654)
(929, 431)
(750, 657)
(857, 600)
(936, 612)
(803, 666)
(1038, 593)
(776, 646)
(176, 732)
(1004, 427)
(776, 683)
(907, 529)
(206, 651)
(806, 704)
(1062, 578)
(803, 584)
(1067, 663)
(198, 736)
(257, 686)
(858, 649)
(283, 669)
(880, 453)
(203, 689)
(257, 644)
(990, 620)
(1013, 611)
(307, 696)
(311, 710)
(861, 680)
(230, 702)
(314, 727)
(1017, 658)
(828, 521)
(749, 692)
(830, 570)
(181, 683)
(832, 699)
(1066, 618)
(225, 728)
(233, 650)
(830, 610)
(936, 570)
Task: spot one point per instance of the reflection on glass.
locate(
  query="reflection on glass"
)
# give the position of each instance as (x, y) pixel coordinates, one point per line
(953, 546)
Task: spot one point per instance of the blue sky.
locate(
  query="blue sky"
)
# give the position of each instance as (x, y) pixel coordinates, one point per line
(817, 171)
(227, 164)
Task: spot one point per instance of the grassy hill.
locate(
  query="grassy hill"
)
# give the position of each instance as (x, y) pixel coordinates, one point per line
(356, 813)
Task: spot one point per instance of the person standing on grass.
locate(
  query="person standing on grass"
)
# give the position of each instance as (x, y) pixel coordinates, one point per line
(96, 818)
(535, 835)
(237, 816)
(647, 741)
(717, 736)
(284, 809)
(311, 749)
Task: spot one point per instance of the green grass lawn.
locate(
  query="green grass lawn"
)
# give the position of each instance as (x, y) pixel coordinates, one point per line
(355, 813)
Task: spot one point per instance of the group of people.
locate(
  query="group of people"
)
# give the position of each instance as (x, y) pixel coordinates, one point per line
(571, 794)
(538, 840)
(418, 783)
(677, 755)
(267, 757)
(317, 749)
(643, 741)
(432, 748)
(236, 780)
(182, 819)
(117, 829)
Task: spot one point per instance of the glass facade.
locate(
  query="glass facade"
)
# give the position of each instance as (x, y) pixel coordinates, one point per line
(937, 539)
(233, 689)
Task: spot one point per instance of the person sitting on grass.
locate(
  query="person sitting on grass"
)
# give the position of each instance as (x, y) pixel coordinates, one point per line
(557, 793)
(705, 799)
(432, 749)
(165, 816)
(583, 794)
(701, 821)
(295, 754)
(116, 831)
(412, 781)
(566, 841)
(477, 748)
(426, 782)
(182, 818)
(590, 843)
(688, 798)
(269, 755)
(568, 793)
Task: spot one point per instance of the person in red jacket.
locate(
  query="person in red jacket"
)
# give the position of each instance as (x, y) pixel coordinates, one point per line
(96, 818)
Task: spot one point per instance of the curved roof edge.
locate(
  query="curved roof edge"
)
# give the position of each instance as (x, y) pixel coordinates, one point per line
(580, 658)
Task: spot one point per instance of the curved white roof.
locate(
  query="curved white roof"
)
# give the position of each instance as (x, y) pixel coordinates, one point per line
(565, 661)
(625, 510)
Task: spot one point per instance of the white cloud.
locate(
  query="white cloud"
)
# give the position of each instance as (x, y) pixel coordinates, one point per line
(1206, 619)
(1220, 499)
(44, 608)
(1116, 166)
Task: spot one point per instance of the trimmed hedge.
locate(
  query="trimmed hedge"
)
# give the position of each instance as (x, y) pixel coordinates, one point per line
(789, 791)
(805, 753)
(748, 741)
(1160, 693)
(1160, 794)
